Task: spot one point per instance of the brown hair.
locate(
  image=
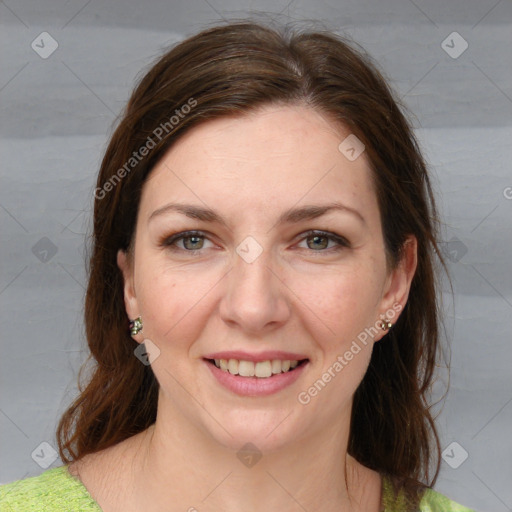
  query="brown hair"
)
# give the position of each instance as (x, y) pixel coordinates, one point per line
(230, 70)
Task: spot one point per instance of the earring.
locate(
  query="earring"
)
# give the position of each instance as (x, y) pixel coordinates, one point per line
(385, 324)
(135, 326)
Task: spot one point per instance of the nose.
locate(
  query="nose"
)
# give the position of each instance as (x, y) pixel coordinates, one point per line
(255, 298)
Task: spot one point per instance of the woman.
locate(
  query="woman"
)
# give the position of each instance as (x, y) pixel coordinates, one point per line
(261, 303)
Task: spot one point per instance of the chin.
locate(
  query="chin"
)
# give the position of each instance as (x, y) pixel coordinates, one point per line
(267, 430)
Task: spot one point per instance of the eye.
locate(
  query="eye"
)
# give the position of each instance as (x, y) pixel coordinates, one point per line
(192, 241)
(318, 241)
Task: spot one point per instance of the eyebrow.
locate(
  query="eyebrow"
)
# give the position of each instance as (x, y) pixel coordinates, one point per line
(291, 216)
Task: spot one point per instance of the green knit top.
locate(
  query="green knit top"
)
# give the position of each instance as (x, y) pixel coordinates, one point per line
(56, 490)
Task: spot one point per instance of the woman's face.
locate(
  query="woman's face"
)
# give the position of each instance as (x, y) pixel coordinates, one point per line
(285, 266)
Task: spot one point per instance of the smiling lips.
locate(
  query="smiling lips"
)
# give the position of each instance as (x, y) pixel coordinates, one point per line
(262, 369)
(250, 374)
(263, 365)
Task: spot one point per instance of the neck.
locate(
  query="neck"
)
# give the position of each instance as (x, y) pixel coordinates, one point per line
(179, 466)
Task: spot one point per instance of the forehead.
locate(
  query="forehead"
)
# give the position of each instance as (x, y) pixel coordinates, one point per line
(275, 157)
(267, 133)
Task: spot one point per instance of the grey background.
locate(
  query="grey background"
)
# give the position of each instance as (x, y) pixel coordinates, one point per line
(57, 114)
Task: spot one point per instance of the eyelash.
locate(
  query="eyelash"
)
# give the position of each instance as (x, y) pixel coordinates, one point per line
(169, 242)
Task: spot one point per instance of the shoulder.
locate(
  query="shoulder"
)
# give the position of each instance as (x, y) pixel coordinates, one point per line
(432, 501)
(418, 498)
(53, 490)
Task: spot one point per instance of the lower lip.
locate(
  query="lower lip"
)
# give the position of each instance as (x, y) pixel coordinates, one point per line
(256, 386)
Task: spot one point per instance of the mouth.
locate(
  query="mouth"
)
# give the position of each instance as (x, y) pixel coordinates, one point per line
(261, 369)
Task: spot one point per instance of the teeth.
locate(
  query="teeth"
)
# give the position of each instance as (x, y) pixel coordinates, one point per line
(276, 366)
(245, 368)
(233, 366)
(262, 369)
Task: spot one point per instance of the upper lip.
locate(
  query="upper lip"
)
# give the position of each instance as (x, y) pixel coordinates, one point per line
(268, 355)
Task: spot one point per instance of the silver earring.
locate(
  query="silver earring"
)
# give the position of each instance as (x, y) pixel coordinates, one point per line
(385, 324)
(135, 326)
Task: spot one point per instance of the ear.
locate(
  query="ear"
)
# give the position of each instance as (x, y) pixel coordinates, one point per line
(398, 283)
(125, 264)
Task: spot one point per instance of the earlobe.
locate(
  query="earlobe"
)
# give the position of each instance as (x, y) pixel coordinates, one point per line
(400, 279)
(130, 299)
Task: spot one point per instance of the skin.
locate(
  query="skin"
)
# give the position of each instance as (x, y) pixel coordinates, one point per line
(293, 297)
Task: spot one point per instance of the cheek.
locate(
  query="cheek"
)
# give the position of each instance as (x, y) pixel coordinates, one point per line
(173, 303)
(341, 304)
(346, 305)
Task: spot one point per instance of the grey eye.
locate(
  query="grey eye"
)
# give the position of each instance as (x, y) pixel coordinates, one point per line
(318, 242)
(195, 242)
